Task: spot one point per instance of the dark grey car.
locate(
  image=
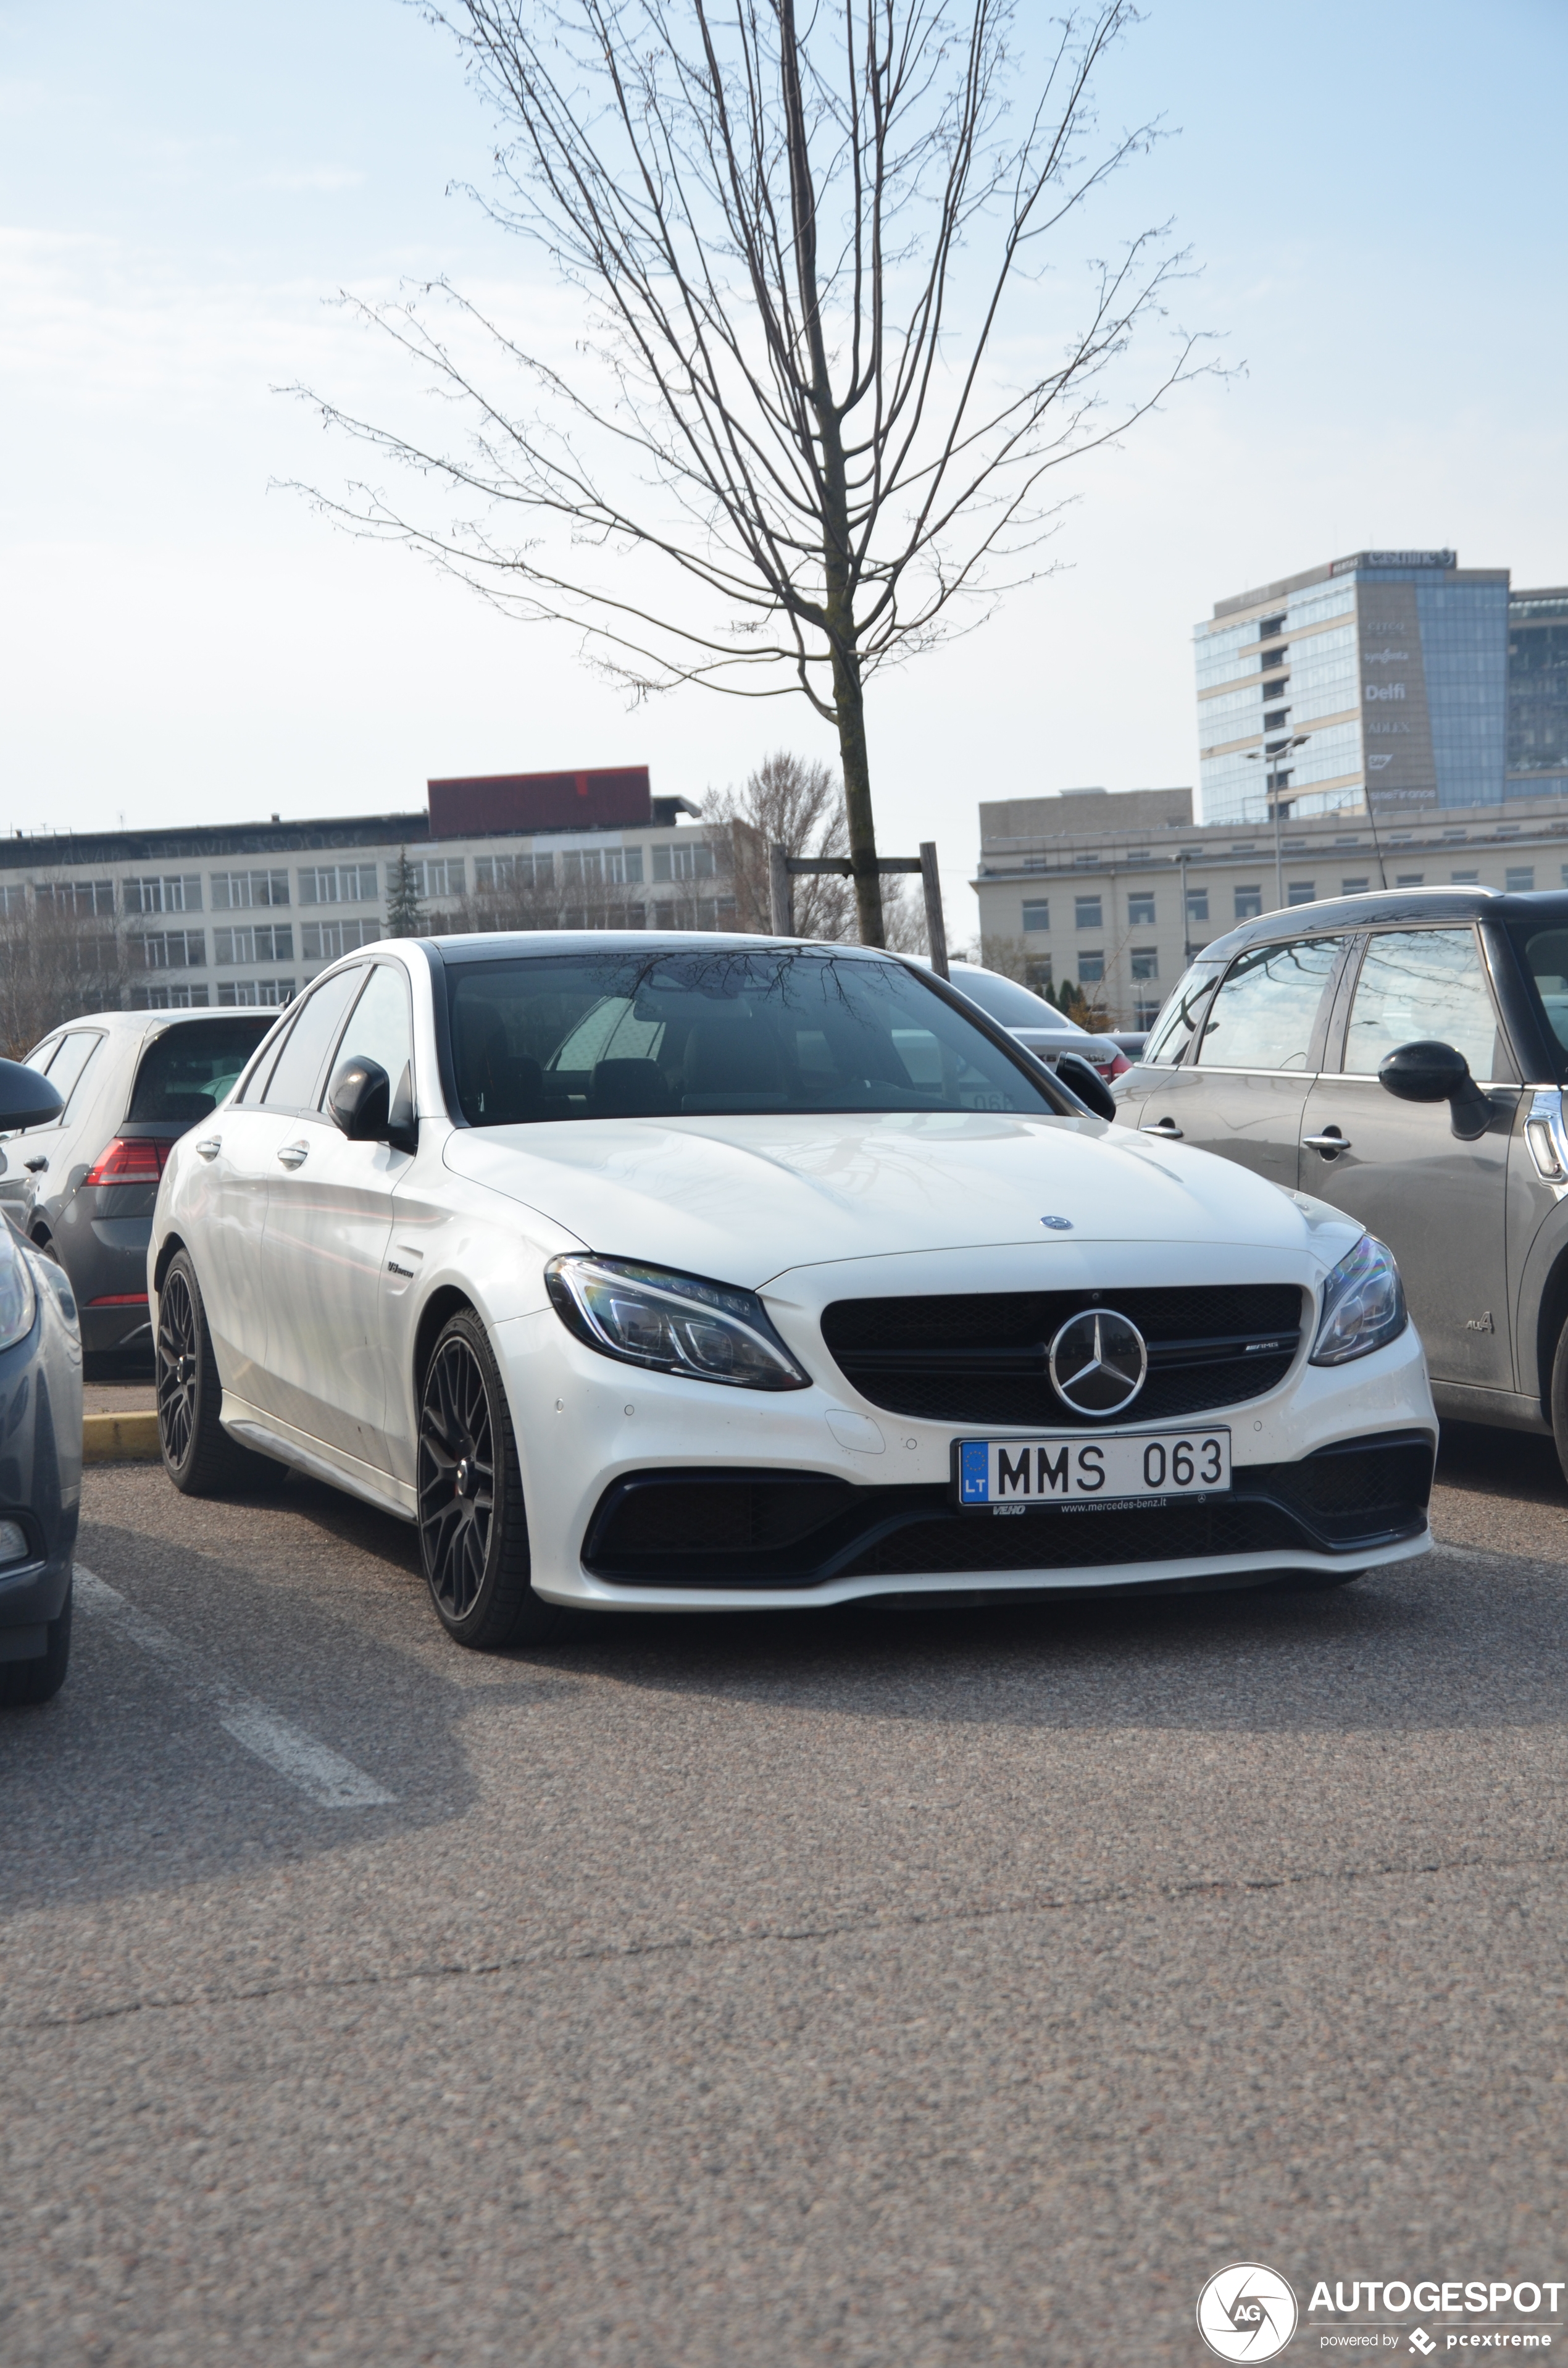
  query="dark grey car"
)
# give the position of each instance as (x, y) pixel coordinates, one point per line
(81, 1186)
(1404, 1056)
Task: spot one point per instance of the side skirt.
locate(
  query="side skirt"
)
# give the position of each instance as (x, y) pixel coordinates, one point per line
(263, 1431)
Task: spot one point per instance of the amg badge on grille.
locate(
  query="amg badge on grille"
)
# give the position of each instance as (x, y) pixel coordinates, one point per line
(1099, 1363)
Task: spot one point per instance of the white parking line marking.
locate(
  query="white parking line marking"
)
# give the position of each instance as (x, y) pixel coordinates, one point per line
(332, 1781)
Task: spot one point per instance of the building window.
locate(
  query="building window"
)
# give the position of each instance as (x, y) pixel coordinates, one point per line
(1520, 879)
(168, 998)
(263, 941)
(239, 891)
(1462, 878)
(171, 949)
(1270, 626)
(1274, 657)
(1091, 966)
(1249, 903)
(1274, 720)
(1086, 913)
(1198, 904)
(1353, 887)
(1409, 879)
(320, 940)
(1036, 973)
(337, 883)
(1037, 915)
(1145, 1011)
(180, 893)
(1145, 961)
(581, 866)
(267, 991)
(437, 875)
(1302, 891)
(78, 896)
(1140, 909)
(494, 875)
(681, 862)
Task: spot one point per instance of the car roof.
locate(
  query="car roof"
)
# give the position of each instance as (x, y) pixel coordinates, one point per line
(485, 945)
(1388, 908)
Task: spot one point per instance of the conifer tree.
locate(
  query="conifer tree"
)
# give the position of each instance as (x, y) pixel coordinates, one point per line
(406, 915)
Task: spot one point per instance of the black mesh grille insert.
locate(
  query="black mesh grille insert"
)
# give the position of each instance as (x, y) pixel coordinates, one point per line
(793, 1529)
(982, 1357)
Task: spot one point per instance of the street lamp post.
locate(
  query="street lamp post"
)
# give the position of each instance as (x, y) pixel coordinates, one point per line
(1270, 754)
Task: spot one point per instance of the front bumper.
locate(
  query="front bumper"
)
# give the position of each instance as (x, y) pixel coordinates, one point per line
(595, 1438)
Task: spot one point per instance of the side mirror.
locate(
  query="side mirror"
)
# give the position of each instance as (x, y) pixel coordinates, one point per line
(1081, 1078)
(1429, 1071)
(361, 1102)
(27, 1097)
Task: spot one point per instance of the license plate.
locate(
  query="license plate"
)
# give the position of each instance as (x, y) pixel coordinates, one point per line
(1015, 1475)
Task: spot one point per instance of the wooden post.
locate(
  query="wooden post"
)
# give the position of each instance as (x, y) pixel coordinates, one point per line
(935, 931)
(778, 896)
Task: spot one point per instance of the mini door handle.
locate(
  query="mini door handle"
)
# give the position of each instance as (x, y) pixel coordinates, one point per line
(1165, 1126)
(1330, 1144)
(210, 1147)
(35, 1166)
(294, 1155)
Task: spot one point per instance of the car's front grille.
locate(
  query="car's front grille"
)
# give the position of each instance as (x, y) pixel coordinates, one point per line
(983, 1357)
(697, 1529)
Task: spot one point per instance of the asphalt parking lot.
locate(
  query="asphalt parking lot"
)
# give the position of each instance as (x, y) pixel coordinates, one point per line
(861, 1988)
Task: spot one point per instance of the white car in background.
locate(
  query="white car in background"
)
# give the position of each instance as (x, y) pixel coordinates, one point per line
(1037, 1025)
(680, 1274)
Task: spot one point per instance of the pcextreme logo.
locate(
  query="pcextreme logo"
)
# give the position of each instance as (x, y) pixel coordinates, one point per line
(1246, 2311)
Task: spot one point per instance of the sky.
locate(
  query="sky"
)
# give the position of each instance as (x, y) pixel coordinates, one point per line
(1373, 200)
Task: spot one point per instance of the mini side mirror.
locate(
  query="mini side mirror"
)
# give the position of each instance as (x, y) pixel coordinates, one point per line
(361, 1103)
(1080, 1078)
(1429, 1071)
(27, 1097)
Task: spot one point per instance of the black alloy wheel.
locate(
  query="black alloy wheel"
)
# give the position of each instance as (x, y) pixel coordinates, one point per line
(199, 1455)
(473, 1530)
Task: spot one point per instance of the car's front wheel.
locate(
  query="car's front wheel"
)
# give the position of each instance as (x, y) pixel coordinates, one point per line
(199, 1455)
(473, 1536)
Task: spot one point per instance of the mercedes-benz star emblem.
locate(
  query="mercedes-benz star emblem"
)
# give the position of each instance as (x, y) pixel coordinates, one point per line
(1099, 1363)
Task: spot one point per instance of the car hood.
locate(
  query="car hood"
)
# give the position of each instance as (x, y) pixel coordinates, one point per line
(745, 1198)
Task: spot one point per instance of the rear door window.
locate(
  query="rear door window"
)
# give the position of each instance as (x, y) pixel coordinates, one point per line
(1424, 985)
(72, 1062)
(1266, 1013)
(188, 1068)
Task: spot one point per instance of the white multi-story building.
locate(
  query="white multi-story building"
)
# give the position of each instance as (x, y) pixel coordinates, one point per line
(1118, 893)
(249, 913)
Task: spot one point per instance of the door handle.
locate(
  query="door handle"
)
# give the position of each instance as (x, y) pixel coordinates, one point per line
(1331, 1143)
(1166, 1127)
(210, 1147)
(35, 1166)
(294, 1155)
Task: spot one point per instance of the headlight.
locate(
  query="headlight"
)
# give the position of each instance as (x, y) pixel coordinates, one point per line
(16, 1300)
(671, 1323)
(1363, 1305)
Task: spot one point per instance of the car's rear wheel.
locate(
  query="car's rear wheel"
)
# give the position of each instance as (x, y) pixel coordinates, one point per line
(199, 1455)
(23, 1683)
(473, 1536)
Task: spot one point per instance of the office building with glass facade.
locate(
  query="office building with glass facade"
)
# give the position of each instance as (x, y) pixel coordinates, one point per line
(1384, 675)
(1538, 693)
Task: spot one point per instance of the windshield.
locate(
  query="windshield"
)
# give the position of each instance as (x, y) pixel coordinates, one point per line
(1005, 1000)
(672, 1033)
(188, 1069)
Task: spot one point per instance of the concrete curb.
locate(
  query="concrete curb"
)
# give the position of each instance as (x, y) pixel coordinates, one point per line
(119, 1439)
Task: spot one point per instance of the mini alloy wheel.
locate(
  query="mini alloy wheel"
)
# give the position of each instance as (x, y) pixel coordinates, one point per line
(473, 1530)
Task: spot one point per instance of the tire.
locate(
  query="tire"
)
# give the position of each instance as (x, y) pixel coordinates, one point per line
(199, 1455)
(473, 1538)
(1560, 1399)
(23, 1683)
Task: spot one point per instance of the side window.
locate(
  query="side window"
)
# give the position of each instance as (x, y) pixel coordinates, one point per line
(1419, 983)
(296, 1076)
(1265, 1012)
(382, 1028)
(1177, 1027)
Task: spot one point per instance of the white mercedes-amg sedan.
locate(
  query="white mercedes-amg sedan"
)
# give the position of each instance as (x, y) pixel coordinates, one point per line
(676, 1274)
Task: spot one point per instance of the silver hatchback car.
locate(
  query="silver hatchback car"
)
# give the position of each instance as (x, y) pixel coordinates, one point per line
(1405, 1057)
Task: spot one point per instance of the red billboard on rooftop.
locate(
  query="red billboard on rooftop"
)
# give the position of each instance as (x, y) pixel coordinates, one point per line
(618, 799)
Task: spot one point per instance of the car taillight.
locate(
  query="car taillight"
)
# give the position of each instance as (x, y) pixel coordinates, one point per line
(128, 1163)
(1119, 1067)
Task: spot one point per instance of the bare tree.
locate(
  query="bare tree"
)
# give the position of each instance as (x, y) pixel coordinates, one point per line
(797, 802)
(56, 961)
(814, 389)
